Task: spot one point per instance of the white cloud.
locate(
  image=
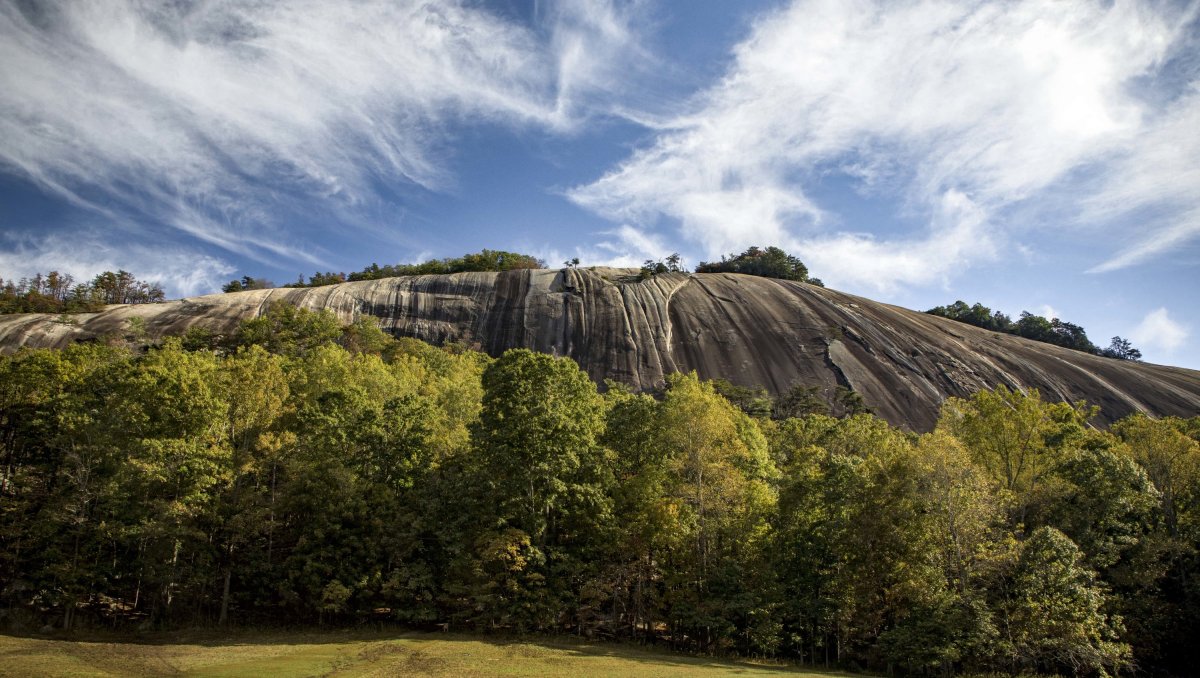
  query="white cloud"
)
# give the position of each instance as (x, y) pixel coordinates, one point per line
(623, 247)
(984, 104)
(627, 246)
(1160, 171)
(958, 235)
(211, 117)
(1158, 332)
(180, 271)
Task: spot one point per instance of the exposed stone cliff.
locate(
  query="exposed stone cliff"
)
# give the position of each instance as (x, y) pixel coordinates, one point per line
(751, 331)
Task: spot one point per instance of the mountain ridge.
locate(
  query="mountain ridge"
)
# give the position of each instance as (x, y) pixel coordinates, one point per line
(752, 331)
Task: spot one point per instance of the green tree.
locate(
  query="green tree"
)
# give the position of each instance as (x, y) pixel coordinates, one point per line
(1051, 611)
(1121, 349)
(289, 330)
(800, 401)
(364, 335)
(641, 469)
(247, 283)
(58, 475)
(537, 442)
(1017, 437)
(1104, 502)
(719, 494)
(753, 401)
(255, 387)
(165, 413)
(771, 262)
(538, 428)
(1171, 460)
(1160, 583)
(947, 624)
(977, 315)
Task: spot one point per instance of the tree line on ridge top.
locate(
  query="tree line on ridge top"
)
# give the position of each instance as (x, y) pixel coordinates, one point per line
(1037, 328)
(58, 293)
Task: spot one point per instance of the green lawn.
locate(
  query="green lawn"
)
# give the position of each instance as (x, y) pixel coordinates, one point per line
(357, 654)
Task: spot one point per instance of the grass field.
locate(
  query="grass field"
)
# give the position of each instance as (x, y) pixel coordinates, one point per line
(358, 654)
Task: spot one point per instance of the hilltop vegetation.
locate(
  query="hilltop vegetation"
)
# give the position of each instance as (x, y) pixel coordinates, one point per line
(484, 260)
(57, 292)
(305, 471)
(1035, 327)
(771, 262)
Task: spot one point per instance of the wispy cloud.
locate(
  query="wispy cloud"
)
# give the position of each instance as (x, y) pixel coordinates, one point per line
(180, 271)
(213, 117)
(954, 111)
(622, 247)
(1156, 178)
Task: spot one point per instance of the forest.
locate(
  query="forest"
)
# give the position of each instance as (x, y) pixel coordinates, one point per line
(303, 472)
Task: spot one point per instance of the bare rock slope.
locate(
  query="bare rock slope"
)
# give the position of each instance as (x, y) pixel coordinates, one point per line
(751, 331)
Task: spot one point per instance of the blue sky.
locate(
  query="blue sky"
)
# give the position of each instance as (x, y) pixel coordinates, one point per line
(1031, 155)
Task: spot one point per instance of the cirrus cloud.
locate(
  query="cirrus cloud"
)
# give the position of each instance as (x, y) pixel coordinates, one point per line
(928, 104)
(230, 120)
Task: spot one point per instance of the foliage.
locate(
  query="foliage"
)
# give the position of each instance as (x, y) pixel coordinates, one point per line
(1121, 349)
(57, 292)
(1053, 331)
(484, 260)
(1018, 438)
(771, 262)
(1035, 327)
(755, 402)
(319, 279)
(799, 401)
(288, 330)
(977, 315)
(247, 283)
(673, 263)
(1052, 611)
(332, 474)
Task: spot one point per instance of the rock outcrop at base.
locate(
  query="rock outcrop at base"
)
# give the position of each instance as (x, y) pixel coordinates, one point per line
(752, 331)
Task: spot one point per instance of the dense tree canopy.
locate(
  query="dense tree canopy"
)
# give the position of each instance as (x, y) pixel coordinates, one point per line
(771, 262)
(1035, 327)
(57, 292)
(306, 471)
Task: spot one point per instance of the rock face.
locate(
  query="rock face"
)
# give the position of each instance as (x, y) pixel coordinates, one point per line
(751, 331)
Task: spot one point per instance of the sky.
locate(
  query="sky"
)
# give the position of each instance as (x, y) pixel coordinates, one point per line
(1028, 155)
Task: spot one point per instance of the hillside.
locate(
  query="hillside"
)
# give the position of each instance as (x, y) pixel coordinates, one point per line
(752, 331)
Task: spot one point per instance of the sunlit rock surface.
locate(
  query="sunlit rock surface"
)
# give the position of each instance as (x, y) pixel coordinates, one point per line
(751, 331)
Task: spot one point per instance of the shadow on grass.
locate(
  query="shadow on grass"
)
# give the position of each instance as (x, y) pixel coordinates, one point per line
(548, 648)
